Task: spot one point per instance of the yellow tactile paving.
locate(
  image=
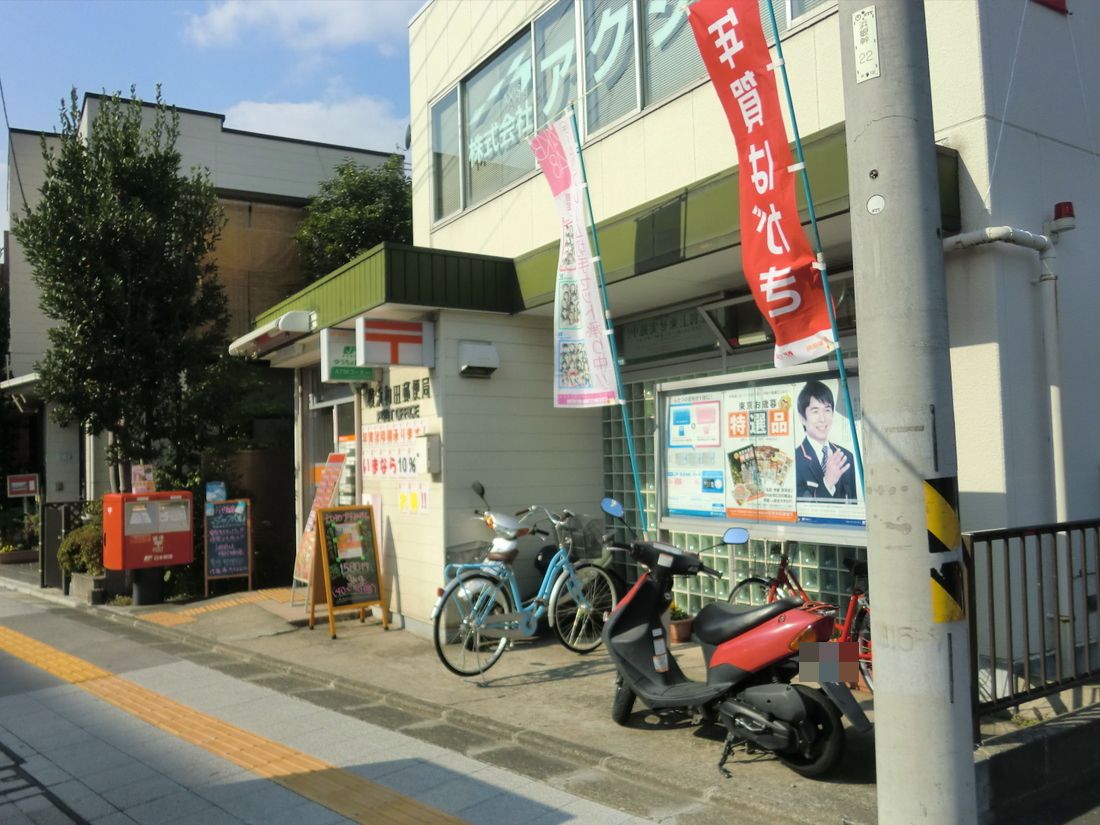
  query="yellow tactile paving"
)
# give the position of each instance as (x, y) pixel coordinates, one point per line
(346, 793)
(171, 618)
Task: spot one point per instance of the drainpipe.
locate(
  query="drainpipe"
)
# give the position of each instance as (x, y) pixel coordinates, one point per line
(1048, 298)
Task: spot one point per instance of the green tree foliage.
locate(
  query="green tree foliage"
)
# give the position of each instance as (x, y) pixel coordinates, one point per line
(356, 209)
(120, 247)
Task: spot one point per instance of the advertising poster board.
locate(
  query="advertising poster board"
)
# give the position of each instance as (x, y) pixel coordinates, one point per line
(348, 562)
(776, 450)
(327, 491)
(227, 539)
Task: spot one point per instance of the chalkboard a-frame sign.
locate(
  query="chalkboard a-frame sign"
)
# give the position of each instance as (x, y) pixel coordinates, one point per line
(348, 563)
(227, 539)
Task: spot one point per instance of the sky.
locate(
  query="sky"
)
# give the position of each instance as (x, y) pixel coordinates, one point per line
(335, 71)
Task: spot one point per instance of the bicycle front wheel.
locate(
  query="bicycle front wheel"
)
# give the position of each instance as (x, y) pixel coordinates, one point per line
(579, 626)
(752, 591)
(467, 603)
(863, 646)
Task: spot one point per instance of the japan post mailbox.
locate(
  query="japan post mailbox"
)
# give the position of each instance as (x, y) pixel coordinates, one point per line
(147, 530)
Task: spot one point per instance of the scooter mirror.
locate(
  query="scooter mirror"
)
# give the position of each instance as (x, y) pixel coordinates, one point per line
(479, 488)
(612, 507)
(736, 535)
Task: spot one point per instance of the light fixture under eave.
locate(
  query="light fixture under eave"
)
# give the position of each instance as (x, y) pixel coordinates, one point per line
(273, 335)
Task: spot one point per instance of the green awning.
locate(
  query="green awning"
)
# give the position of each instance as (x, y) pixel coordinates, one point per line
(392, 273)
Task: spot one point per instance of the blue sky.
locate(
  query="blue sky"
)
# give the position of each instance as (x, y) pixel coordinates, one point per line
(329, 70)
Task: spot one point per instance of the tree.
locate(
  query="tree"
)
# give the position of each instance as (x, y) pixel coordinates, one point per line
(120, 248)
(359, 207)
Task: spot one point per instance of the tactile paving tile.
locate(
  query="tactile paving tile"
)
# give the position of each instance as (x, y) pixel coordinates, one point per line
(346, 793)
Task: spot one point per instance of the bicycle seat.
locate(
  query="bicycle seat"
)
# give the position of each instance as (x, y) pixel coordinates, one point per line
(856, 568)
(503, 556)
(719, 622)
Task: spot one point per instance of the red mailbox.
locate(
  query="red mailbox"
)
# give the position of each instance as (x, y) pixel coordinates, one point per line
(147, 530)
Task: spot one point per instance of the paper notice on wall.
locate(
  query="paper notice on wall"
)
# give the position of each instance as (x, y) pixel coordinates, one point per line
(413, 499)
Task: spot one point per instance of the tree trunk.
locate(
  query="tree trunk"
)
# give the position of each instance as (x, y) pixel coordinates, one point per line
(112, 461)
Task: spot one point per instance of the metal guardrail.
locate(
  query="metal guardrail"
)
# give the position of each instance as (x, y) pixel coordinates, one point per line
(1032, 606)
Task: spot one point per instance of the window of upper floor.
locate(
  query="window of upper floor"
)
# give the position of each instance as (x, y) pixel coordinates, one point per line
(618, 56)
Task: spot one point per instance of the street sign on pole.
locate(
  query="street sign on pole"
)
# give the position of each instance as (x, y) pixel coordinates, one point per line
(23, 486)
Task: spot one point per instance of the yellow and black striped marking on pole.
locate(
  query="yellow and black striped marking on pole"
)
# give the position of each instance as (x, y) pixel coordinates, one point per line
(941, 507)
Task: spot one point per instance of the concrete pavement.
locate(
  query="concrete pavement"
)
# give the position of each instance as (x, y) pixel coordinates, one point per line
(542, 712)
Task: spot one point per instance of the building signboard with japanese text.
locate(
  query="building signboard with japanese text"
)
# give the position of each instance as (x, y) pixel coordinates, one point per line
(776, 452)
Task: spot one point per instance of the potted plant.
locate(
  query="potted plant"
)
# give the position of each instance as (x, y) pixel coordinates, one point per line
(679, 624)
(80, 556)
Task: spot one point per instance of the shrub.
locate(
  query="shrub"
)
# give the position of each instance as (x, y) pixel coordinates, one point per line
(81, 550)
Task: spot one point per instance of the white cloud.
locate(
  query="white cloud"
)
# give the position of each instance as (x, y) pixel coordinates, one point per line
(305, 25)
(363, 122)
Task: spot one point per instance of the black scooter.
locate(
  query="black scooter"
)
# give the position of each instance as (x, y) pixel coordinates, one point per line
(751, 655)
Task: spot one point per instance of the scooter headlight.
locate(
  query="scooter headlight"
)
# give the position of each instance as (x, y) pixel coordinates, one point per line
(807, 635)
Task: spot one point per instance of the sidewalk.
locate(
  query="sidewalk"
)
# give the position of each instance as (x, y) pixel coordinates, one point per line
(550, 709)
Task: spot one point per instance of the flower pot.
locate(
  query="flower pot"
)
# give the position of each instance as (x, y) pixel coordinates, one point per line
(87, 588)
(679, 630)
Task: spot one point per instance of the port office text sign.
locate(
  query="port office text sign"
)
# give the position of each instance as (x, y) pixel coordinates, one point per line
(23, 486)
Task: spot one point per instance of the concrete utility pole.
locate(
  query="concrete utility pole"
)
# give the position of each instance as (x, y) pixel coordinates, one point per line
(923, 748)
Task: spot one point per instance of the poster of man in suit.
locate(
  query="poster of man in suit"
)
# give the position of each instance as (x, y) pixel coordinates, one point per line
(824, 470)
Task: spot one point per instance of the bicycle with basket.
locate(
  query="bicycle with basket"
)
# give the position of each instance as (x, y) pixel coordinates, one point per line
(480, 610)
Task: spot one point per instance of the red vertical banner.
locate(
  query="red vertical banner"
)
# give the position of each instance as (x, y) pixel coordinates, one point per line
(779, 264)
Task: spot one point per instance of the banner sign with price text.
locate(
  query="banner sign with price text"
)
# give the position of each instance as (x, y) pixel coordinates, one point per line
(584, 371)
(776, 256)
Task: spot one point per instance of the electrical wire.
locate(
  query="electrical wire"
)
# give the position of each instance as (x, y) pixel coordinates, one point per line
(1008, 95)
(14, 161)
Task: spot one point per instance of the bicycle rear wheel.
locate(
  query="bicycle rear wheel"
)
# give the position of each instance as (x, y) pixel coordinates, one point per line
(862, 634)
(751, 591)
(578, 627)
(464, 607)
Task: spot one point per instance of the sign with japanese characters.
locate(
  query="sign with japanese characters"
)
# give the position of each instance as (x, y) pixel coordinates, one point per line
(584, 373)
(327, 492)
(227, 539)
(779, 265)
(393, 450)
(762, 451)
(23, 486)
(338, 357)
(347, 572)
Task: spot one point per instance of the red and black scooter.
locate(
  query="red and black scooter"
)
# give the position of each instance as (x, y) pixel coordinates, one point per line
(751, 655)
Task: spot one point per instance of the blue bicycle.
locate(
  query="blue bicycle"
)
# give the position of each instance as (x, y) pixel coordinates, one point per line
(480, 610)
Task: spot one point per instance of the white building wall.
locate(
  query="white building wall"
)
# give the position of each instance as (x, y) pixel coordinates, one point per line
(1024, 145)
(644, 157)
(1026, 124)
(248, 162)
(412, 542)
(28, 324)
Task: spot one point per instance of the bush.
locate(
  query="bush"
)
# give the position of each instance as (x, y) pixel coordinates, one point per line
(81, 551)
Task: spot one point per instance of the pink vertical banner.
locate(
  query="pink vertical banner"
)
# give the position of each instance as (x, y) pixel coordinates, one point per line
(584, 371)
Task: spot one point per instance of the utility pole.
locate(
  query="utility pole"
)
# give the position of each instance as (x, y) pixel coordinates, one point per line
(923, 748)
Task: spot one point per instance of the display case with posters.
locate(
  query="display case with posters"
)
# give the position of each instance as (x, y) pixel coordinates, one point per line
(772, 449)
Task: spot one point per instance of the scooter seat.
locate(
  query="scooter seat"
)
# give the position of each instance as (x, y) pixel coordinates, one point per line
(504, 556)
(718, 622)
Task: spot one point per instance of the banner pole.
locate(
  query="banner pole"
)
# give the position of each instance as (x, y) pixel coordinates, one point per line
(820, 265)
(610, 330)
